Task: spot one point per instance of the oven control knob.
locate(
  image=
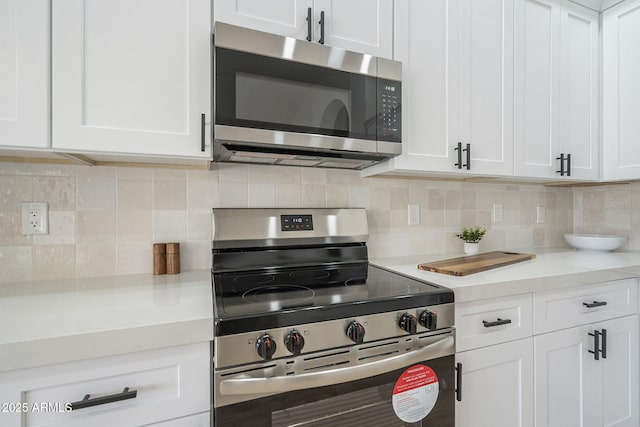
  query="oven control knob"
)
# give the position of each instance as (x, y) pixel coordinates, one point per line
(408, 323)
(294, 342)
(266, 346)
(429, 319)
(355, 332)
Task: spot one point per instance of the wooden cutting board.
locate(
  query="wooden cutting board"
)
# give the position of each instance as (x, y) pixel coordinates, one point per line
(466, 265)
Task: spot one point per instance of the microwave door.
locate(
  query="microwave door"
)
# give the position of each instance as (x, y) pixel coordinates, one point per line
(260, 92)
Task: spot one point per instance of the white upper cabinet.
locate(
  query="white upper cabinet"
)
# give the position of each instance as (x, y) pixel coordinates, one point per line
(358, 25)
(457, 87)
(621, 91)
(132, 77)
(24, 73)
(556, 90)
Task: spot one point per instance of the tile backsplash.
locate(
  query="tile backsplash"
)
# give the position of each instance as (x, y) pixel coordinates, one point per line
(103, 220)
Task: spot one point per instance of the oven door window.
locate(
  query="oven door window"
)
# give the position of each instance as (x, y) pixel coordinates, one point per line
(366, 402)
(268, 93)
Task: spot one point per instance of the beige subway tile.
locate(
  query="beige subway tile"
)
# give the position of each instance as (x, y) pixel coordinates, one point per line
(134, 194)
(289, 175)
(134, 225)
(359, 197)
(16, 263)
(15, 190)
(169, 195)
(169, 226)
(96, 226)
(234, 194)
(11, 229)
(233, 172)
(337, 196)
(314, 176)
(95, 259)
(436, 199)
(196, 255)
(399, 198)
(262, 195)
(288, 195)
(96, 193)
(199, 225)
(53, 262)
(135, 257)
(202, 194)
(314, 196)
(261, 174)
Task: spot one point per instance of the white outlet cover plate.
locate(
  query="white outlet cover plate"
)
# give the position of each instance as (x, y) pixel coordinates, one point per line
(35, 218)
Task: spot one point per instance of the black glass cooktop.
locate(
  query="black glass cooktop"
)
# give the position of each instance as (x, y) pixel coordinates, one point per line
(250, 300)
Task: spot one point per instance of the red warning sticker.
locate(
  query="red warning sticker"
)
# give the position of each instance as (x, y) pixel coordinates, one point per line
(415, 393)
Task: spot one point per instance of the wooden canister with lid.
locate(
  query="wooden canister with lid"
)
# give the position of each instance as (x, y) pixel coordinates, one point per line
(173, 258)
(159, 258)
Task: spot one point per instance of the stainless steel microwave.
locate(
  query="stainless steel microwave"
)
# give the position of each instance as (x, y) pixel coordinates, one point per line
(280, 100)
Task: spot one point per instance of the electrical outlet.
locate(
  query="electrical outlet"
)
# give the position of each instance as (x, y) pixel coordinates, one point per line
(539, 214)
(498, 214)
(414, 214)
(35, 218)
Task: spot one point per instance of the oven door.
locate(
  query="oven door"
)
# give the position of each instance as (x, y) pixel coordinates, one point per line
(395, 388)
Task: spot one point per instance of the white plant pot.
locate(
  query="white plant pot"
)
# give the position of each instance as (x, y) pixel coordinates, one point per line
(471, 248)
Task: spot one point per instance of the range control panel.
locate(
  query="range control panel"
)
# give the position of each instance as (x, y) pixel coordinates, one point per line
(296, 222)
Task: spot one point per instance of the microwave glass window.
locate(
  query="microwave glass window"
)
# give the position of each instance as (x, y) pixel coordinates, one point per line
(277, 94)
(299, 104)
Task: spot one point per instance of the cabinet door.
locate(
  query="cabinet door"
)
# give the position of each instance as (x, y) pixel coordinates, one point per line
(486, 84)
(579, 89)
(426, 41)
(575, 389)
(359, 25)
(497, 386)
(617, 375)
(24, 73)
(537, 91)
(563, 374)
(283, 17)
(621, 91)
(132, 76)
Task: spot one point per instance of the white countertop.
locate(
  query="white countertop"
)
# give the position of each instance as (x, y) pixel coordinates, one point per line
(553, 270)
(56, 321)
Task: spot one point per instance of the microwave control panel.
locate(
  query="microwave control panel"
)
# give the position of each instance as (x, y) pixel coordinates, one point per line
(389, 111)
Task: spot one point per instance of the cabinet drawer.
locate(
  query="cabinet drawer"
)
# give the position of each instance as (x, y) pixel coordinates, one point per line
(492, 321)
(168, 383)
(577, 306)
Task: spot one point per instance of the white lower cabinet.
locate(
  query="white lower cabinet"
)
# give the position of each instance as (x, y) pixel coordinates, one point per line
(557, 358)
(575, 389)
(170, 387)
(497, 386)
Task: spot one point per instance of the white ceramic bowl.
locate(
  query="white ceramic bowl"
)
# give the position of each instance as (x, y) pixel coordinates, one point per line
(595, 242)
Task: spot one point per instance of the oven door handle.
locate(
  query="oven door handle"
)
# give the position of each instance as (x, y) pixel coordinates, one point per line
(244, 386)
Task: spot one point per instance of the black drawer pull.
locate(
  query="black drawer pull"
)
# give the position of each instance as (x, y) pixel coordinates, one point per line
(594, 304)
(309, 24)
(87, 402)
(496, 322)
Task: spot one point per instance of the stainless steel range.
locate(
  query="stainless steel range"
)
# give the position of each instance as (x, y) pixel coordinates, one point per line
(308, 333)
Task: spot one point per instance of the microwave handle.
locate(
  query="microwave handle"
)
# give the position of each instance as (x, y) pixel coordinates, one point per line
(244, 386)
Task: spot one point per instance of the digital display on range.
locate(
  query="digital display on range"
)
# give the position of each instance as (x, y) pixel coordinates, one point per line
(296, 222)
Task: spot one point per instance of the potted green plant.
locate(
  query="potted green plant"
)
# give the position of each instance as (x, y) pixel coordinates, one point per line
(471, 237)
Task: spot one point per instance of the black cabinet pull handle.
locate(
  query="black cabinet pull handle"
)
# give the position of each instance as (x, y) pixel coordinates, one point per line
(568, 164)
(496, 322)
(321, 41)
(459, 150)
(561, 158)
(596, 345)
(468, 151)
(603, 349)
(459, 382)
(87, 402)
(308, 24)
(202, 132)
(594, 304)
